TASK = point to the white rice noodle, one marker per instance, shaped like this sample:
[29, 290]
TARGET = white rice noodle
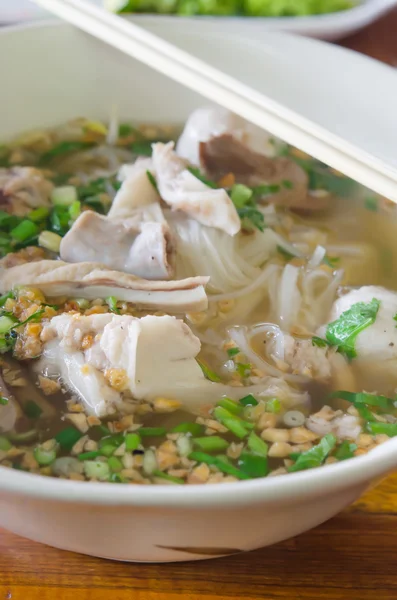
[275, 338]
[317, 257]
[259, 282]
[289, 298]
[208, 251]
[240, 337]
[301, 297]
[319, 290]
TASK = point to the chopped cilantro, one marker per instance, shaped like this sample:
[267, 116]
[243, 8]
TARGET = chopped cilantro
[371, 203]
[233, 351]
[343, 331]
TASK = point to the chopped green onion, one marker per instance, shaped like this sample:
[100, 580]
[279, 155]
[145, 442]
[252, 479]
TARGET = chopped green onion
[3, 401]
[192, 428]
[89, 455]
[365, 413]
[211, 443]
[152, 180]
[240, 194]
[317, 341]
[243, 369]
[44, 457]
[24, 231]
[5, 444]
[220, 464]
[257, 445]
[287, 184]
[6, 324]
[32, 410]
[316, 455]
[132, 441]
[75, 210]
[68, 437]
[115, 464]
[117, 478]
[126, 130]
[273, 405]
[331, 261]
[236, 425]
[64, 196]
[251, 218]
[39, 214]
[232, 352]
[343, 332]
[143, 148]
[253, 465]
[166, 477]
[59, 220]
[345, 450]
[364, 398]
[287, 255]
[107, 449]
[111, 301]
[63, 148]
[231, 406]
[371, 203]
[96, 469]
[248, 400]
[389, 429]
[196, 172]
[152, 431]
[266, 190]
[208, 373]
[36, 316]
[50, 241]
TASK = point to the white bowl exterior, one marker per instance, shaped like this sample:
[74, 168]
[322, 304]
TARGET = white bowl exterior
[166, 534]
[53, 74]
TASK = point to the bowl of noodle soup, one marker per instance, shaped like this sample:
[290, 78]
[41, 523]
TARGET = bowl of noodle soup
[197, 320]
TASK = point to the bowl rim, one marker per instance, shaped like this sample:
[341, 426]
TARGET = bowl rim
[316, 482]
[313, 482]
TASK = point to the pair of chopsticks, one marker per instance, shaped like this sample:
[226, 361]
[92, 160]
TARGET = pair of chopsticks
[228, 92]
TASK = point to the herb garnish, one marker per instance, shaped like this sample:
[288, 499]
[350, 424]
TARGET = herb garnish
[345, 329]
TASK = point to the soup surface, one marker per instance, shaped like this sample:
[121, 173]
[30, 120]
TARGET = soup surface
[214, 310]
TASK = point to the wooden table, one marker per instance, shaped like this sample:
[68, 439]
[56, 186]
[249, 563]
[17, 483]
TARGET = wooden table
[352, 557]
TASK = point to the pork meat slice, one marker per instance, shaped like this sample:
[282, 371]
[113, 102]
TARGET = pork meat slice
[224, 154]
[214, 121]
[181, 190]
[144, 249]
[154, 356]
[23, 189]
[136, 190]
[93, 280]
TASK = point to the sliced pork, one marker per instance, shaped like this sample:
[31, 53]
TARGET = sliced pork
[93, 280]
[224, 154]
[181, 190]
[144, 249]
[152, 357]
[136, 189]
[23, 189]
[214, 121]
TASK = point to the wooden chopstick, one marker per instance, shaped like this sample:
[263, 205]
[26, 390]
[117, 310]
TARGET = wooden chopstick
[226, 91]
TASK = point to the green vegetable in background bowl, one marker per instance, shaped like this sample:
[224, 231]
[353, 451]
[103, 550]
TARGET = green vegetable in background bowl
[250, 8]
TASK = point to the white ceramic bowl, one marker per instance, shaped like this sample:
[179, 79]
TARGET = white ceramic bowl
[53, 73]
[329, 26]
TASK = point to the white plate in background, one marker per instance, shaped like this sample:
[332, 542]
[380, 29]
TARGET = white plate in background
[330, 26]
